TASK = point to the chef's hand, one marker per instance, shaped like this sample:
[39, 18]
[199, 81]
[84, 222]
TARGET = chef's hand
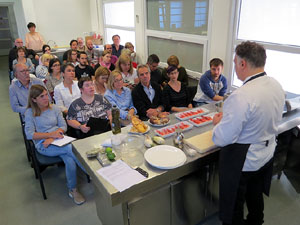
[217, 118]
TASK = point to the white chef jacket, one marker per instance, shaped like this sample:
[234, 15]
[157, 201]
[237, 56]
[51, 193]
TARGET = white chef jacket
[251, 115]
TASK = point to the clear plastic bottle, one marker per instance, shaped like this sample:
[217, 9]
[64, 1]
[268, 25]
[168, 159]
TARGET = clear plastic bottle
[116, 124]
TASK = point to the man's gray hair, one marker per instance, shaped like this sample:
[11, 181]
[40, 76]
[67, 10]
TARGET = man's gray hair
[142, 66]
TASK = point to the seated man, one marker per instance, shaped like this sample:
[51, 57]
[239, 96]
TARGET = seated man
[91, 113]
[73, 46]
[147, 96]
[83, 69]
[29, 53]
[156, 75]
[114, 58]
[80, 44]
[19, 88]
[92, 53]
[212, 85]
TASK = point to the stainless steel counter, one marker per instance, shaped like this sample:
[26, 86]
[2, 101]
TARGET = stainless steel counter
[162, 198]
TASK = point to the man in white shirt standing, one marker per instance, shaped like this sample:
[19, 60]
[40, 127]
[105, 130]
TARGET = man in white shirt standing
[246, 132]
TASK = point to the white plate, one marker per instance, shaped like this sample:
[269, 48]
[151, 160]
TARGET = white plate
[129, 127]
[177, 115]
[158, 125]
[165, 157]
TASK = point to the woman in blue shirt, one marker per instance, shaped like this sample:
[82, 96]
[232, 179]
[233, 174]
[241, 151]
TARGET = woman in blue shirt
[120, 96]
[43, 124]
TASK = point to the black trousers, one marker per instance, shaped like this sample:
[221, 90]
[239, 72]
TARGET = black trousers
[250, 190]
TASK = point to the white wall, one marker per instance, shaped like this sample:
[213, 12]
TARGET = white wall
[59, 20]
[221, 31]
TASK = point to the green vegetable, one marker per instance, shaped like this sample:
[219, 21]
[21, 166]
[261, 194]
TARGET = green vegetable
[111, 156]
[108, 150]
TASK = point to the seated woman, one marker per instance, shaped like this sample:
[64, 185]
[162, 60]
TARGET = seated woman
[182, 76]
[175, 93]
[129, 74]
[120, 96]
[46, 49]
[42, 70]
[43, 124]
[101, 78]
[73, 57]
[91, 113]
[129, 46]
[67, 91]
[105, 61]
[21, 58]
[54, 77]
[33, 39]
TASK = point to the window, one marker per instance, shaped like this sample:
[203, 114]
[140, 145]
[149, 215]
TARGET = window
[119, 19]
[178, 27]
[277, 31]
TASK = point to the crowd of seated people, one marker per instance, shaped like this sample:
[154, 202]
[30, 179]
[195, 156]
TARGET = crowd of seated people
[74, 91]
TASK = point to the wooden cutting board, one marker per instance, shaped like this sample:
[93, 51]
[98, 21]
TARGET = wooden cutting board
[202, 142]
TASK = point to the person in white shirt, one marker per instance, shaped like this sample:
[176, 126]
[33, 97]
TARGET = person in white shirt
[246, 132]
[67, 91]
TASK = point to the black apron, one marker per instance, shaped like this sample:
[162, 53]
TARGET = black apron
[231, 162]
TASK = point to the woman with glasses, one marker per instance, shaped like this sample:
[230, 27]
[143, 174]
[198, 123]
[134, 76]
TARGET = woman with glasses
[89, 114]
[73, 57]
[67, 91]
[175, 93]
[54, 77]
[101, 78]
[105, 61]
[43, 124]
[120, 96]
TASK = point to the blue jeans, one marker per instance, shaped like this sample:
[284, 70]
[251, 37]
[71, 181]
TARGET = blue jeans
[67, 155]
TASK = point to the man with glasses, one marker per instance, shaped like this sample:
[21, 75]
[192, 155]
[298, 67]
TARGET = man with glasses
[29, 53]
[114, 58]
[19, 88]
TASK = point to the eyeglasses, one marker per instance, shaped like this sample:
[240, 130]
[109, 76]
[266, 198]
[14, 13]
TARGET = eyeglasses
[24, 71]
[118, 80]
[55, 65]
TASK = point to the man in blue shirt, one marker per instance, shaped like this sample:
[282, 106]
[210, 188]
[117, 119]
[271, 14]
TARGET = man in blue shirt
[19, 88]
[212, 85]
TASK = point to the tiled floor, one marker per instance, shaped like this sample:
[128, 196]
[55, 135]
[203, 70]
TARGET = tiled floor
[21, 202]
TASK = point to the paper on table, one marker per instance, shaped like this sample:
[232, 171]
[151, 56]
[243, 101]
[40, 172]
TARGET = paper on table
[63, 141]
[120, 175]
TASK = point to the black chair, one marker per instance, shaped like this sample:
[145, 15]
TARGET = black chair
[27, 145]
[41, 162]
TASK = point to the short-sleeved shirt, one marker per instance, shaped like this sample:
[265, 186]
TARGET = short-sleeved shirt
[82, 112]
[173, 98]
[88, 71]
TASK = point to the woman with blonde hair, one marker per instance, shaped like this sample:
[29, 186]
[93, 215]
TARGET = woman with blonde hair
[120, 96]
[43, 124]
[129, 46]
[105, 61]
[101, 78]
[42, 70]
[129, 74]
[182, 75]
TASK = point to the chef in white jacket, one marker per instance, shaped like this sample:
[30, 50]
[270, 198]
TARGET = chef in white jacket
[246, 132]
